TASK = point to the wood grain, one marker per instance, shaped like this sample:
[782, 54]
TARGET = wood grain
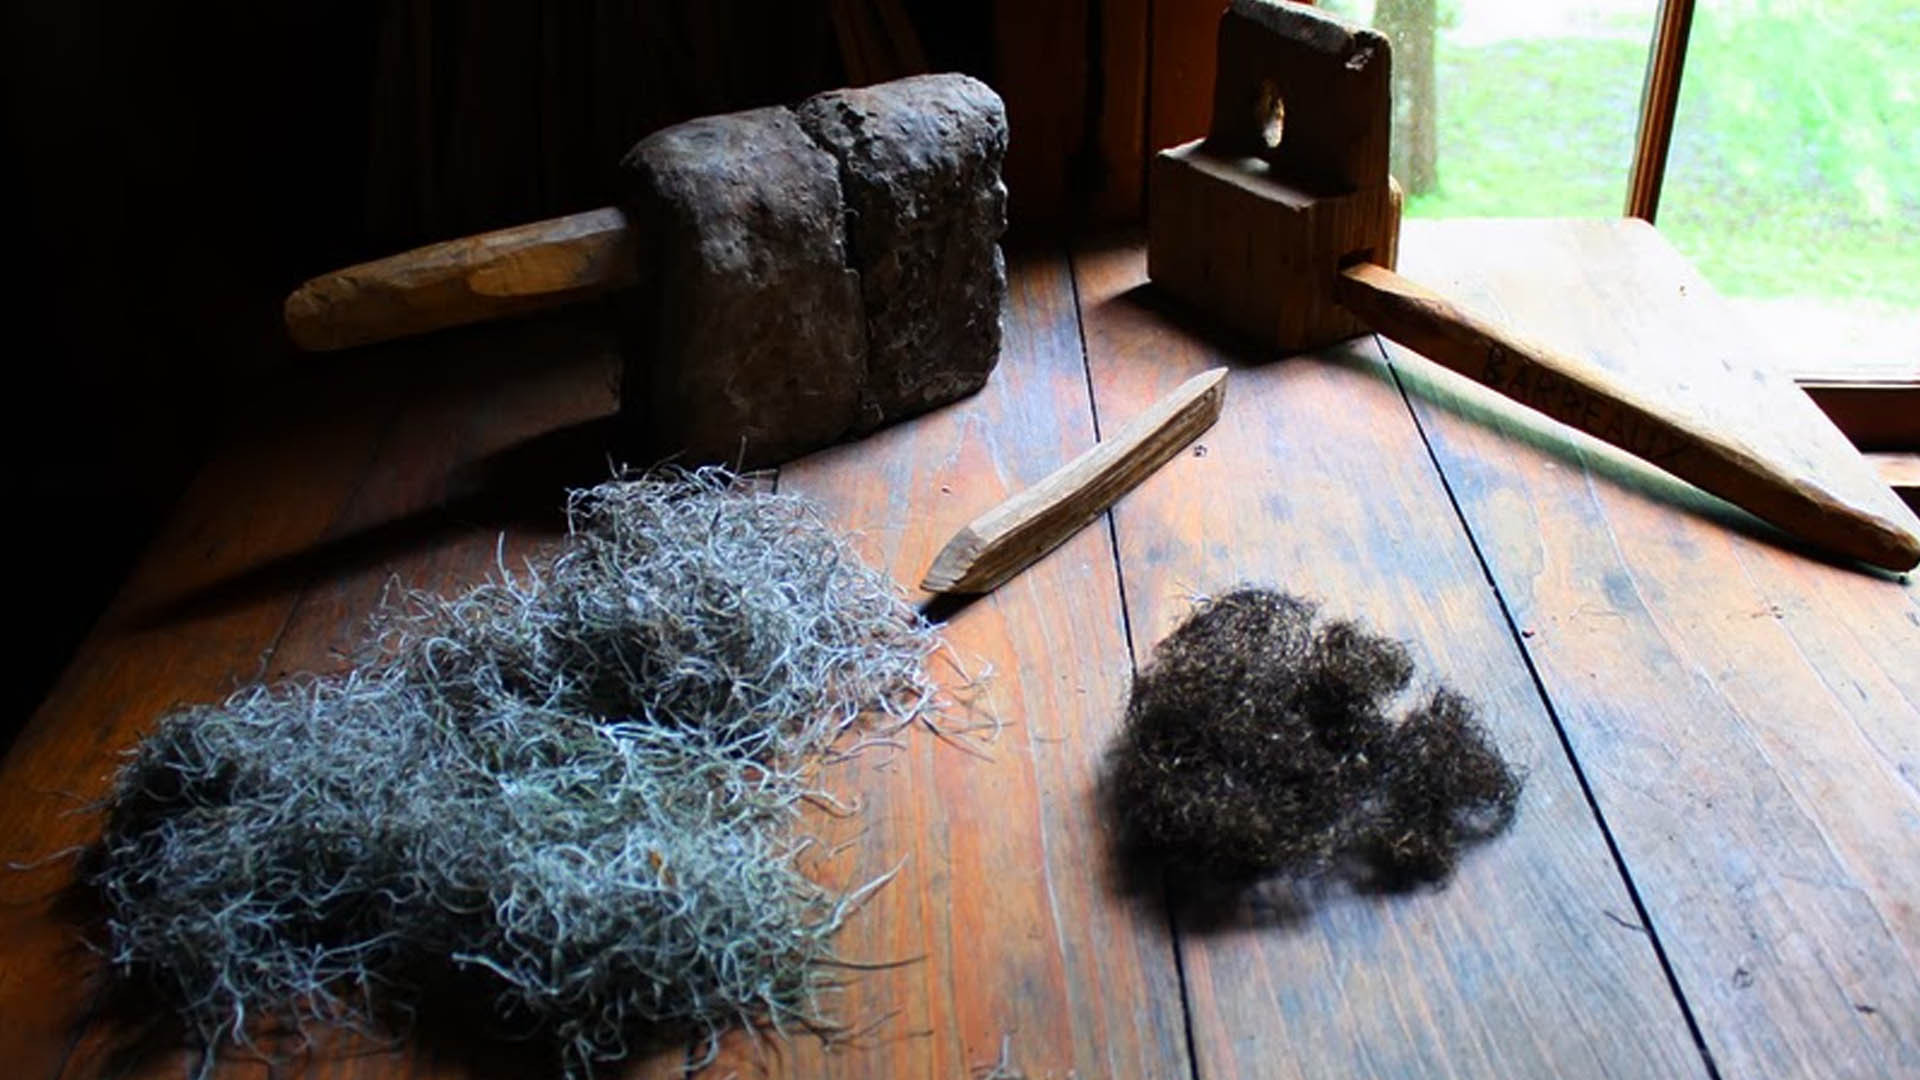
[1874, 414]
[1325, 79]
[1610, 407]
[280, 490]
[510, 271]
[1126, 44]
[482, 115]
[1003, 902]
[491, 402]
[1006, 539]
[1899, 470]
[1531, 962]
[1181, 99]
[485, 400]
[1040, 70]
[1250, 224]
[1232, 240]
[1659, 102]
[1744, 716]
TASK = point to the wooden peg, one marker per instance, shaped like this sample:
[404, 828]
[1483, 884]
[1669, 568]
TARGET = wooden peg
[1013, 535]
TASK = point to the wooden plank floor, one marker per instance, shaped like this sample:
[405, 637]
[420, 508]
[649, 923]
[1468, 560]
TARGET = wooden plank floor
[1716, 866]
[1745, 715]
[1517, 969]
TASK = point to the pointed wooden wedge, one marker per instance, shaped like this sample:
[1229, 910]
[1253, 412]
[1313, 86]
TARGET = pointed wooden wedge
[1013, 535]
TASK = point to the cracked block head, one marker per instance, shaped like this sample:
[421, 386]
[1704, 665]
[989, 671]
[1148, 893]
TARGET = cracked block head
[1252, 223]
[810, 273]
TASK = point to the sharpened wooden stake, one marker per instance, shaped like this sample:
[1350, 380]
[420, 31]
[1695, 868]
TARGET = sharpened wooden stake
[1013, 535]
[1587, 397]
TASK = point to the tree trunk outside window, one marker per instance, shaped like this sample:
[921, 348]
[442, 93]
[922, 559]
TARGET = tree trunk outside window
[1410, 26]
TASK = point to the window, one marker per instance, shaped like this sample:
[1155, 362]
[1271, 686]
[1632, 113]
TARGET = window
[1793, 179]
[1513, 108]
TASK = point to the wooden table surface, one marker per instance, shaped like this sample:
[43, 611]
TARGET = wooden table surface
[1715, 870]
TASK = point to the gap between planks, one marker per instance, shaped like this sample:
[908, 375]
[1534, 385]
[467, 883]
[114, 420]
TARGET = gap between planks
[1172, 923]
[1641, 913]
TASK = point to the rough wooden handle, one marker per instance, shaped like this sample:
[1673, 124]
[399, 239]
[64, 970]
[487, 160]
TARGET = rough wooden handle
[1587, 397]
[525, 268]
[1010, 537]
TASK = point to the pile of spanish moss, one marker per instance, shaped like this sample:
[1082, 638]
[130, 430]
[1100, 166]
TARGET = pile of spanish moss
[1259, 742]
[572, 788]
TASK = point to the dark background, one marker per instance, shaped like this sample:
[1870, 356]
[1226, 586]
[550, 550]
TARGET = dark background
[174, 170]
[177, 169]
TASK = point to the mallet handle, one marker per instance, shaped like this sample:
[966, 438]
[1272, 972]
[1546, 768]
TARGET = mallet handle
[525, 268]
[1584, 396]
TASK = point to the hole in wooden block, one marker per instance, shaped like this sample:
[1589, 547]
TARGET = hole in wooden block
[1269, 114]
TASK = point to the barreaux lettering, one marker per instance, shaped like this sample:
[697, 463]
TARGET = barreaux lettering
[1569, 401]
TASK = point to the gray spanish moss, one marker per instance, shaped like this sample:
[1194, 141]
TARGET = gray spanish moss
[573, 787]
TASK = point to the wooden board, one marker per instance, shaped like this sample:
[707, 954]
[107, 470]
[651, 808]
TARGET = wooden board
[1678, 434]
[1882, 414]
[1016, 932]
[1016, 533]
[1900, 471]
[436, 511]
[1180, 102]
[397, 504]
[1126, 49]
[1744, 715]
[1040, 71]
[278, 492]
[1314, 479]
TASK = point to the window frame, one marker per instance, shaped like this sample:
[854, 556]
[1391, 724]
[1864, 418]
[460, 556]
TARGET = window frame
[1659, 102]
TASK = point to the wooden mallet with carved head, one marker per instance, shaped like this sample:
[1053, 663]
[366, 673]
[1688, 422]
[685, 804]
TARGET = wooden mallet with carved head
[1284, 224]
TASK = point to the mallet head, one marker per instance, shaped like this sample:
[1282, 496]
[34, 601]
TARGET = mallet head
[1252, 223]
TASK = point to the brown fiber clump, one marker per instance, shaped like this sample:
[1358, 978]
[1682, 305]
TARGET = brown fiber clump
[1258, 742]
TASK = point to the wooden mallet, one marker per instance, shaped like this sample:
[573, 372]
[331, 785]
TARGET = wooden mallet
[782, 278]
[1283, 223]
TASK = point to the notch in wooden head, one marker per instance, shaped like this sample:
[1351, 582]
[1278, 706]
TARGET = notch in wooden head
[1253, 223]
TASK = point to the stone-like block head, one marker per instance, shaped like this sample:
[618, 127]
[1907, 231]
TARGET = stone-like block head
[814, 272]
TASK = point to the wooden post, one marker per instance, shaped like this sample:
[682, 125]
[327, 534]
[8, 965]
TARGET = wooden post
[1659, 100]
[1411, 26]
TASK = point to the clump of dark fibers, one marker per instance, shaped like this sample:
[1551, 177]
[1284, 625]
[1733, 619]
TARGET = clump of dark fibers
[1258, 742]
[571, 788]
